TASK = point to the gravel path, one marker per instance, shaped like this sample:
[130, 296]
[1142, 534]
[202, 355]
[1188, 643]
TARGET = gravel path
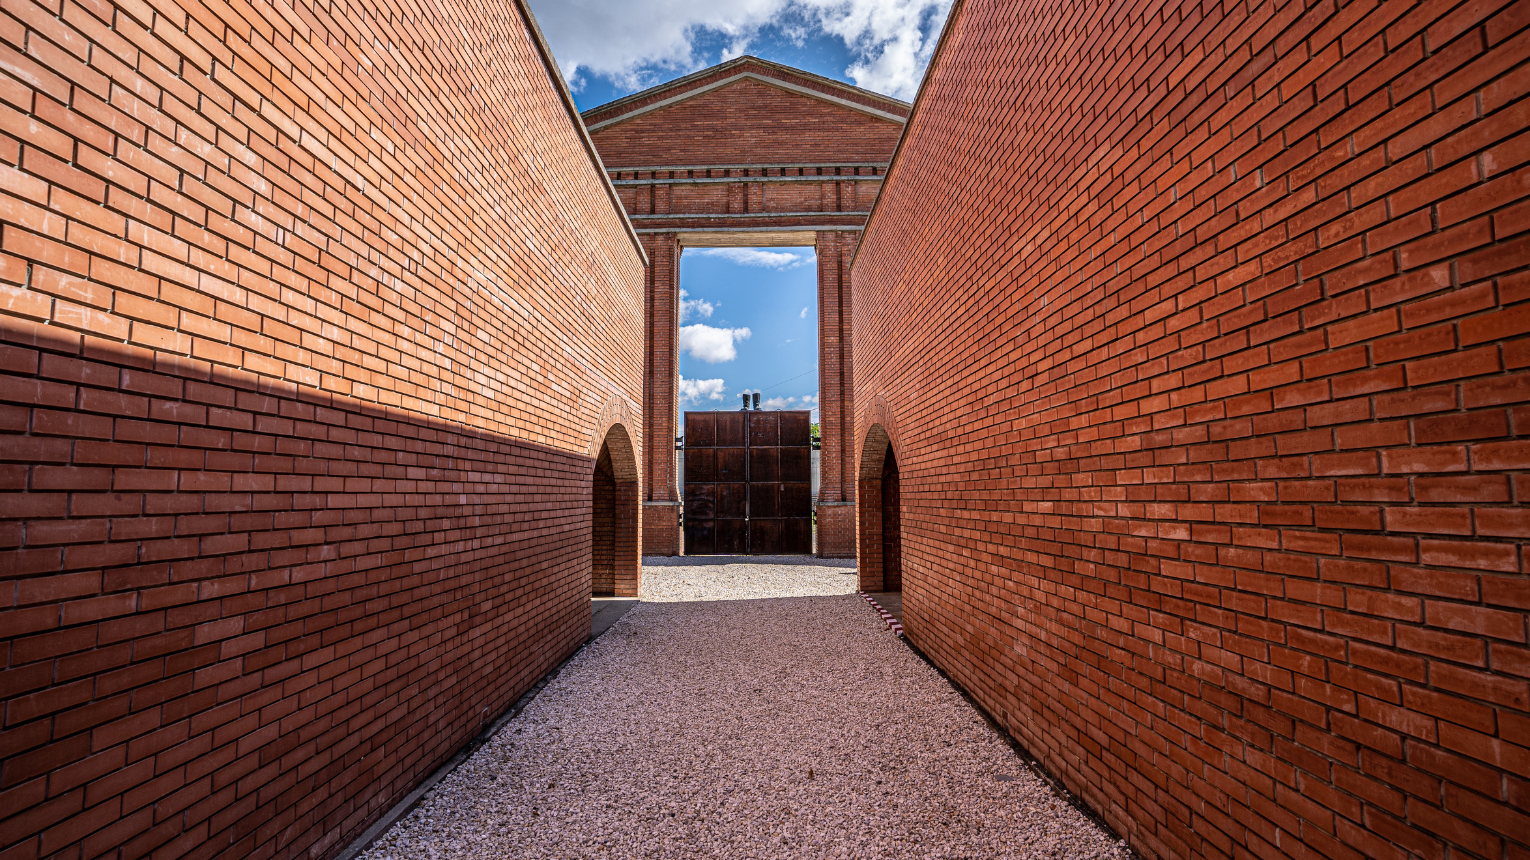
[745, 711]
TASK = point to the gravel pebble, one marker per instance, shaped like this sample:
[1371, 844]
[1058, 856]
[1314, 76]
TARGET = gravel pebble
[745, 711]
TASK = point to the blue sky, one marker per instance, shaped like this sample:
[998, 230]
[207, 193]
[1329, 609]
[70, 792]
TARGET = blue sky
[815, 52]
[749, 322]
[753, 316]
[611, 48]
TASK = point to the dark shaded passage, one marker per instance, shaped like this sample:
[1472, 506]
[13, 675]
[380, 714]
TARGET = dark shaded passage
[603, 527]
[892, 543]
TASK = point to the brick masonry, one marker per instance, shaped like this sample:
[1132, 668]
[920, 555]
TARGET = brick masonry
[746, 153]
[747, 111]
[313, 319]
[1200, 336]
[661, 381]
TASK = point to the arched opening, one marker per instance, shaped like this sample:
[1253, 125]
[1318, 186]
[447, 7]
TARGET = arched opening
[879, 533]
[615, 563]
[603, 527]
[892, 550]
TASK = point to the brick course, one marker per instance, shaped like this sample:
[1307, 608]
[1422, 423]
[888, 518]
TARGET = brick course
[1204, 331]
[312, 321]
[773, 114]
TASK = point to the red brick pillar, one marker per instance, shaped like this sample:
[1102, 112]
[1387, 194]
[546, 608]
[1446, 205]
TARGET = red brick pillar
[661, 511]
[836, 487]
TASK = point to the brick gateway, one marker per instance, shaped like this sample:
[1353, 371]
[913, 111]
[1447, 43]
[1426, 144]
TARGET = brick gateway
[748, 153]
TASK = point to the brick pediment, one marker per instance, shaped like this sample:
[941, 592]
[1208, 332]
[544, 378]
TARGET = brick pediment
[747, 111]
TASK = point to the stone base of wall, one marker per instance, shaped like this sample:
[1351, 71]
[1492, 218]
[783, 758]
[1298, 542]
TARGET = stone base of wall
[661, 528]
[836, 530]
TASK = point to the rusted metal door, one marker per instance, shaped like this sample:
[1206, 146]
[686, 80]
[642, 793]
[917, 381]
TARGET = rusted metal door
[748, 483]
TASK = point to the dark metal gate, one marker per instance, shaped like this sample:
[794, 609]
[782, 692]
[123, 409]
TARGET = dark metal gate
[748, 487]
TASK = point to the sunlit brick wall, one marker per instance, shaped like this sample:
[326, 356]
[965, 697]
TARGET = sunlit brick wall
[1202, 335]
[308, 317]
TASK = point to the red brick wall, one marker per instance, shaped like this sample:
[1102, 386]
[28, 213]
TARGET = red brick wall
[747, 122]
[308, 316]
[1204, 329]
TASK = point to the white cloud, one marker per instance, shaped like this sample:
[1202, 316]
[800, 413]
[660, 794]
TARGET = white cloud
[807, 401]
[637, 43]
[621, 39]
[891, 40]
[693, 390]
[695, 307]
[778, 260]
[803, 315]
[711, 345]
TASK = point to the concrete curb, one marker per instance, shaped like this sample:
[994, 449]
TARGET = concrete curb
[892, 623]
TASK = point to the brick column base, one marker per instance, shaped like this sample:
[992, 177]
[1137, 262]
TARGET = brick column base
[836, 530]
[661, 528]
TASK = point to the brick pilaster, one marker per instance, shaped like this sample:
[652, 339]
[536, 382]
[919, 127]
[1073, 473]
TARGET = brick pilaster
[661, 534]
[836, 491]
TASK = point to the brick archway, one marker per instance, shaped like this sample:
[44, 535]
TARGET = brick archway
[615, 517]
[879, 526]
[748, 154]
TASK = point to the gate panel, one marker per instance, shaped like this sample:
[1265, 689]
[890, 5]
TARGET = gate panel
[748, 483]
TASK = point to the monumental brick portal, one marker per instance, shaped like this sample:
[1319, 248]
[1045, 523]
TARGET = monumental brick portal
[315, 320]
[748, 153]
[1200, 335]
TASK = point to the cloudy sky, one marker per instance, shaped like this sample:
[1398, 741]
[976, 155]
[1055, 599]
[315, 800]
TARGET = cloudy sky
[611, 48]
[749, 322]
[750, 314]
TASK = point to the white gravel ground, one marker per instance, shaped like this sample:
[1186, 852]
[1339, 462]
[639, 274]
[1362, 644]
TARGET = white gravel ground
[745, 711]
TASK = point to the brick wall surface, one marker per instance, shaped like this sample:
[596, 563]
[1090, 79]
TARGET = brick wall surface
[308, 317]
[722, 74]
[1203, 327]
[747, 121]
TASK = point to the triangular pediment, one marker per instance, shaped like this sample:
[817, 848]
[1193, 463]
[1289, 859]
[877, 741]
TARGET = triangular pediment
[747, 111]
[733, 72]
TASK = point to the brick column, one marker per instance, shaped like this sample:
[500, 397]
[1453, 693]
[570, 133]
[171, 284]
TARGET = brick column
[661, 308]
[836, 487]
